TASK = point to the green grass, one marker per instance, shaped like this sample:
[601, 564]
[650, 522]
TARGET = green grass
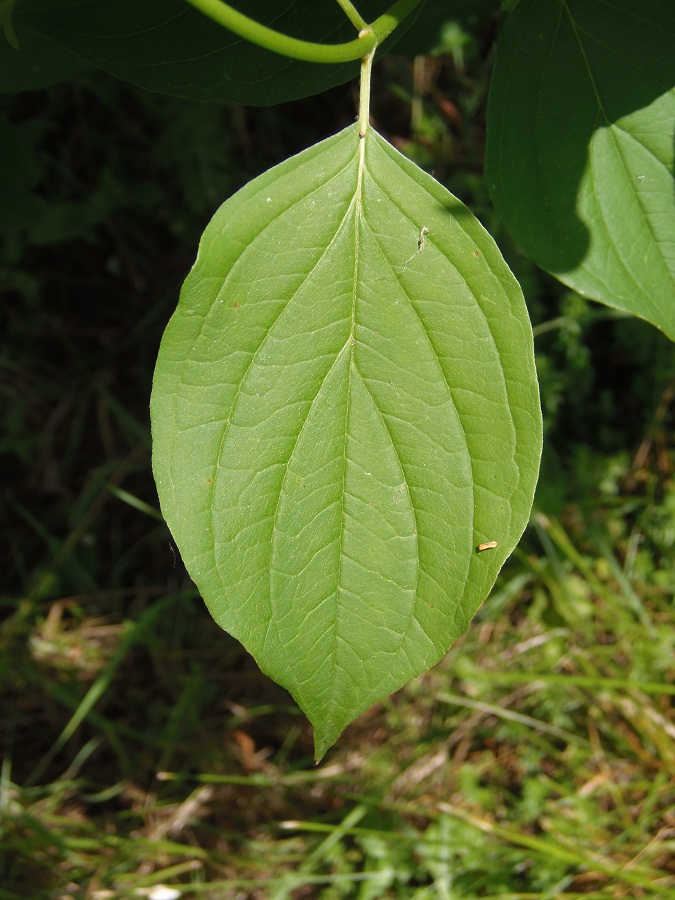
[535, 761]
[142, 747]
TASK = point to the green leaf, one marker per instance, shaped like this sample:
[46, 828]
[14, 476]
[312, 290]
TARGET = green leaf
[340, 418]
[170, 47]
[36, 64]
[581, 130]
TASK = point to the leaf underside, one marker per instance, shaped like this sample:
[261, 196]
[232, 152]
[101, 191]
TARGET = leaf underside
[340, 418]
[581, 147]
[172, 48]
[37, 64]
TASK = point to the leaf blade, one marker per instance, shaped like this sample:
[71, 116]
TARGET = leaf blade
[361, 463]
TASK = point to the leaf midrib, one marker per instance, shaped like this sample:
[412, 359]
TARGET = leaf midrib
[356, 208]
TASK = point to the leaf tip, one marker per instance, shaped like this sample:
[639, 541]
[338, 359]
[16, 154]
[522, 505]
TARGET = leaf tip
[325, 735]
[322, 744]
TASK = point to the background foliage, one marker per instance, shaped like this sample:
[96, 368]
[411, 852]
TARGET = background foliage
[141, 745]
[580, 160]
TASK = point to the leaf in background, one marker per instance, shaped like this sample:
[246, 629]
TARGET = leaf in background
[581, 124]
[339, 421]
[37, 64]
[170, 47]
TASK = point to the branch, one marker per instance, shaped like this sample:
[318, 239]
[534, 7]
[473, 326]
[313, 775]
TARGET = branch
[307, 51]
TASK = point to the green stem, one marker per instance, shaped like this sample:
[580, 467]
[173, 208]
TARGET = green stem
[307, 51]
[352, 14]
[364, 93]
[282, 43]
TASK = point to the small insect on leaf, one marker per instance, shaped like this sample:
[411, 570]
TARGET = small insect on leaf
[488, 545]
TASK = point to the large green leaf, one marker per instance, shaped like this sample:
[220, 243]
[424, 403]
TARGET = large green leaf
[36, 64]
[581, 130]
[340, 419]
[170, 47]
